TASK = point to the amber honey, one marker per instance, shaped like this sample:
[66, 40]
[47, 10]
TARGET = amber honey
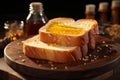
[35, 19]
[59, 28]
[32, 28]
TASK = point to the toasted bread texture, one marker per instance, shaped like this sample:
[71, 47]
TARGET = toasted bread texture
[62, 40]
[34, 48]
[93, 25]
[68, 32]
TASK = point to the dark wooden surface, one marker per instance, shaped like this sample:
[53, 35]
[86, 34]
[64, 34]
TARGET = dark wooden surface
[7, 73]
[101, 69]
[19, 10]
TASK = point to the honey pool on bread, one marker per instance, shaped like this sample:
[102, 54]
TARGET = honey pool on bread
[64, 29]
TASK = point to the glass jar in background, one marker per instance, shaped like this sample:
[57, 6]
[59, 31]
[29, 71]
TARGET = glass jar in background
[115, 12]
[35, 19]
[103, 13]
[90, 11]
[14, 28]
[103, 17]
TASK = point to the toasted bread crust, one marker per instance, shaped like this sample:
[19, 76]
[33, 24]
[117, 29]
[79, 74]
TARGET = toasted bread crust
[62, 56]
[65, 40]
[91, 22]
[93, 32]
[79, 43]
[69, 40]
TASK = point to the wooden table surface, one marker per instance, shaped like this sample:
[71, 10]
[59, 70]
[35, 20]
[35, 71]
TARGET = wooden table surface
[7, 73]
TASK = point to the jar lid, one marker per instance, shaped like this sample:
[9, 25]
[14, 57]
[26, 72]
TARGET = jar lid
[36, 6]
[115, 3]
[90, 8]
[103, 6]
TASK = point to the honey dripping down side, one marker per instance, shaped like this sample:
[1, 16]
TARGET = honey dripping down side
[35, 19]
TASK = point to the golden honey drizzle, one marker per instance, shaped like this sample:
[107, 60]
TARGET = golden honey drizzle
[60, 28]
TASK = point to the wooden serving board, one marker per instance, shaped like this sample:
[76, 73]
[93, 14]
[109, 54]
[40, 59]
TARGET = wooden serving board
[104, 58]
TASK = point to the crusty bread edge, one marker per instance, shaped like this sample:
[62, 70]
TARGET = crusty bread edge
[61, 39]
[50, 54]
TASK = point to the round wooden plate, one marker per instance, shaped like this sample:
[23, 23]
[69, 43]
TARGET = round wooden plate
[105, 57]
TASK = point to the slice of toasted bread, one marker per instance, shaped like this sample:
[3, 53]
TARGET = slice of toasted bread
[93, 25]
[62, 40]
[67, 31]
[35, 48]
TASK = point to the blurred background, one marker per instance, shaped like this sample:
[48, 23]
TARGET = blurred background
[19, 9]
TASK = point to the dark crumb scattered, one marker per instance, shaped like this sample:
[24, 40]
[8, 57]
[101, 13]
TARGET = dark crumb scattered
[23, 60]
[20, 56]
[66, 67]
[39, 65]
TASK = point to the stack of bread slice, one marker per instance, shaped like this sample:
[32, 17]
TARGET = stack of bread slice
[62, 40]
